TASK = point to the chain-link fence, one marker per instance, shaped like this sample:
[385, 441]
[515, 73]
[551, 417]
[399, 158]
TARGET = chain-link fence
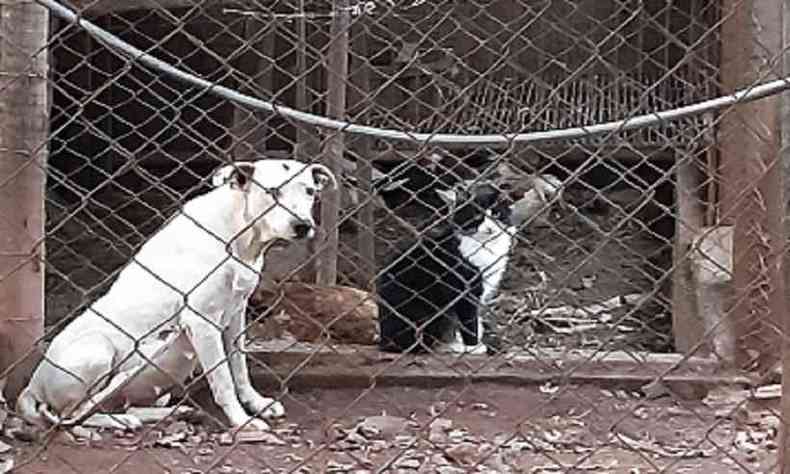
[518, 236]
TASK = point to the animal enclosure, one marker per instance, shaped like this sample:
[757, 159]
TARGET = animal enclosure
[643, 287]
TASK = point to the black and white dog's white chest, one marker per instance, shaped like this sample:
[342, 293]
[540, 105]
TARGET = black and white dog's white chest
[434, 289]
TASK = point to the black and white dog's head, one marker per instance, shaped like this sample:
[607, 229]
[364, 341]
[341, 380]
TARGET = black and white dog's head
[278, 195]
[470, 206]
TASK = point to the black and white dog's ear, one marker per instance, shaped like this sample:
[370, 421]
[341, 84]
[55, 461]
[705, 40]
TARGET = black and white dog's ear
[449, 196]
[239, 175]
[323, 176]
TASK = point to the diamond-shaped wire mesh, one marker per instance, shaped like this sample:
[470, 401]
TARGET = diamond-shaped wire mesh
[177, 297]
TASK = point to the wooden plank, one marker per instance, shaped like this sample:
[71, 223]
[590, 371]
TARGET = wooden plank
[303, 365]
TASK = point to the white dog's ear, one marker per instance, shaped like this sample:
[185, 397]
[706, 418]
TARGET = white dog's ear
[239, 175]
[323, 176]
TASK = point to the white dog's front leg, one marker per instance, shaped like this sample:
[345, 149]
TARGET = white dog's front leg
[207, 341]
[235, 343]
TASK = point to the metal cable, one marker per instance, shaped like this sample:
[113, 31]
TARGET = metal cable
[501, 139]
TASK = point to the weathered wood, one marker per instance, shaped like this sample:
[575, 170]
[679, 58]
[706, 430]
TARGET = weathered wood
[366, 234]
[24, 127]
[249, 130]
[751, 190]
[687, 324]
[711, 268]
[307, 143]
[337, 75]
[784, 407]
[311, 313]
[360, 366]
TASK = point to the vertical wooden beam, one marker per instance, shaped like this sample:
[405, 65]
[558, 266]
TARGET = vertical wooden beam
[249, 132]
[306, 143]
[24, 128]
[337, 75]
[687, 324]
[784, 434]
[751, 191]
[366, 236]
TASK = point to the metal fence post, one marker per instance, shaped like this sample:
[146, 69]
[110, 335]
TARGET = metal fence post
[24, 126]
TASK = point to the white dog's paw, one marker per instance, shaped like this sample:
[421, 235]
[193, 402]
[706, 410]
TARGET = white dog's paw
[478, 349]
[263, 407]
[253, 424]
[125, 422]
[77, 435]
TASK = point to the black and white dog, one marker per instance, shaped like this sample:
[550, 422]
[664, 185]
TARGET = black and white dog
[436, 285]
[453, 272]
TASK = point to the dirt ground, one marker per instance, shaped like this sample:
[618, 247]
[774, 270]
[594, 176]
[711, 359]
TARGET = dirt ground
[481, 428]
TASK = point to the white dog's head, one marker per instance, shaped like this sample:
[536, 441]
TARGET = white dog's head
[279, 195]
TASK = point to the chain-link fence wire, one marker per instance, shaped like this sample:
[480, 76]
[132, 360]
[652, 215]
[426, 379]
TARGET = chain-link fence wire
[658, 240]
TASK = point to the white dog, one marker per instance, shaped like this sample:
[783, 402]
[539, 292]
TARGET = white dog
[180, 302]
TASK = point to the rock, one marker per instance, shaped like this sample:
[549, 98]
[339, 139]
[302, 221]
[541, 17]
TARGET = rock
[450, 470]
[382, 427]
[175, 440]
[464, 454]
[248, 436]
[410, 463]
[309, 313]
[439, 429]
[441, 424]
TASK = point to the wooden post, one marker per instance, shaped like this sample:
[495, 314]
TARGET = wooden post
[687, 324]
[751, 192]
[784, 441]
[366, 237]
[24, 128]
[337, 75]
[249, 133]
[306, 143]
